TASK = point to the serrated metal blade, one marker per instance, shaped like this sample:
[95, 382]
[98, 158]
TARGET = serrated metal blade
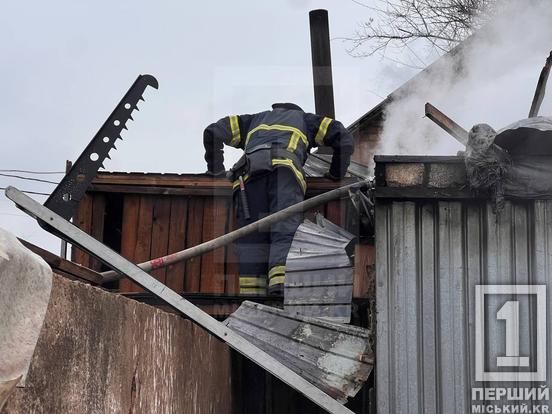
[66, 196]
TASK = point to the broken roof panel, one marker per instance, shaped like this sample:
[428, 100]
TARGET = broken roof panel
[319, 272]
[336, 358]
[319, 164]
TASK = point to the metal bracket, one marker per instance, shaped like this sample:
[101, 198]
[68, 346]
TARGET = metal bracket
[123, 266]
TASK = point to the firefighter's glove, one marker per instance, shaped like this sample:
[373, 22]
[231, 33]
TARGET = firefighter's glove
[218, 174]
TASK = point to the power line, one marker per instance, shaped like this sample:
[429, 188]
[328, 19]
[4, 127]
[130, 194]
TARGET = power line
[29, 178]
[28, 192]
[34, 172]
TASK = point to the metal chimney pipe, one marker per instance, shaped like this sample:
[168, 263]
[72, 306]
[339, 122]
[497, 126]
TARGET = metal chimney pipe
[321, 63]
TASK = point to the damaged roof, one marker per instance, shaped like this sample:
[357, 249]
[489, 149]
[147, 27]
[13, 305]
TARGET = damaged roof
[318, 164]
[336, 358]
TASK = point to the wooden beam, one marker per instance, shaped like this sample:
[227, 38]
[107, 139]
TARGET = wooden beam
[64, 267]
[164, 180]
[192, 185]
[541, 88]
[457, 132]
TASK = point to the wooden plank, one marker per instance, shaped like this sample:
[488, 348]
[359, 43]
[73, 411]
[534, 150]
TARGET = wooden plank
[188, 184]
[215, 218]
[541, 88]
[160, 233]
[455, 130]
[335, 212]
[129, 235]
[97, 229]
[194, 180]
[139, 244]
[155, 180]
[142, 250]
[365, 271]
[177, 241]
[64, 267]
[313, 189]
[83, 220]
[232, 272]
[175, 191]
[193, 238]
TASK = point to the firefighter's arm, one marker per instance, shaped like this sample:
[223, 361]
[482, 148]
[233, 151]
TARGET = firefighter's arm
[332, 133]
[341, 140]
[227, 130]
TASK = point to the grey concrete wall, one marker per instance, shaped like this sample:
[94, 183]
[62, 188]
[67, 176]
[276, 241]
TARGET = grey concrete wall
[101, 353]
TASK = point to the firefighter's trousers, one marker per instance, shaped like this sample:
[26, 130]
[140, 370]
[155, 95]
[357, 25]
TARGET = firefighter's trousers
[262, 255]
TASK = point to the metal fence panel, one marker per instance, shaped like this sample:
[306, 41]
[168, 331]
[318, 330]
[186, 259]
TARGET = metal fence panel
[429, 257]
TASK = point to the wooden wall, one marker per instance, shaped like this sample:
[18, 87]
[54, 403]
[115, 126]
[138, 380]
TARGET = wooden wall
[156, 214]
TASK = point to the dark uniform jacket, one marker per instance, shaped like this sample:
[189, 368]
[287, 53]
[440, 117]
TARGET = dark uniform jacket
[281, 137]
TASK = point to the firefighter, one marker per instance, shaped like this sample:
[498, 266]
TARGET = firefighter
[276, 144]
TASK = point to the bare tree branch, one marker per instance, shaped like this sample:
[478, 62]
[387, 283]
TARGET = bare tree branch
[439, 24]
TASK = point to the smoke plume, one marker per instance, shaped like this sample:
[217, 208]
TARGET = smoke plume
[491, 78]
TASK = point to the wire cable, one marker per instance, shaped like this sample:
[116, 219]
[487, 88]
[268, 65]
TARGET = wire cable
[33, 172]
[28, 192]
[29, 178]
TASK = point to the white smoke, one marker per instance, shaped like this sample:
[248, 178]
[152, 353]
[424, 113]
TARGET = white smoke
[493, 82]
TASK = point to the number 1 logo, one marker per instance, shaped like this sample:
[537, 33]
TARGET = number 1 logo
[509, 312]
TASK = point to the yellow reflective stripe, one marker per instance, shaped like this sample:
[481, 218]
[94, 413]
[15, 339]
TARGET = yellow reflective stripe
[236, 183]
[322, 129]
[250, 281]
[276, 280]
[253, 291]
[294, 141]
[276, 270]
[277, 127]
[235, 127]
[297, 173]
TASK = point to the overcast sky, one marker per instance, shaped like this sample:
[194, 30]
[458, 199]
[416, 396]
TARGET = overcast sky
[66, 64]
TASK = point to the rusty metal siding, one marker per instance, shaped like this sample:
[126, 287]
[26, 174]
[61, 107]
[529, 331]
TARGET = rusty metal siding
[429, 257]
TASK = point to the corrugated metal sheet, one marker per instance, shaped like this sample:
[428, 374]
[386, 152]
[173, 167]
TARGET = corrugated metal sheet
[430, 256]
[319, 164]
[336, 358]
[319, 272]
